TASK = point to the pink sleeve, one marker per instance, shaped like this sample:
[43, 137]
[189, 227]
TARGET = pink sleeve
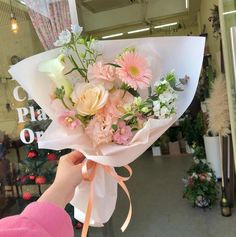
[39, 219]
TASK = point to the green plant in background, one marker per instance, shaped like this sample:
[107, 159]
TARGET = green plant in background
[193, 129]
[173, 134]
[201, 183]
[208, 75]
[157, 143]
[215, 21]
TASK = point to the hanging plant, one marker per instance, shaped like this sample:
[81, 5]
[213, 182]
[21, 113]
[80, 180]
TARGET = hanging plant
[215, 21]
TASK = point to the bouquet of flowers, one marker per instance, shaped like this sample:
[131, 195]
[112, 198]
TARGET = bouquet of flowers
[110, 100]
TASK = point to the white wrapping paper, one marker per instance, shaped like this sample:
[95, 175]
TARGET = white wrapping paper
[183, 54]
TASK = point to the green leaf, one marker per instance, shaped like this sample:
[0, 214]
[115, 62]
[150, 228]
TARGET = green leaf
[113, 64]
[73, 69]
[126, 116]
[114, 127]
[133, 92]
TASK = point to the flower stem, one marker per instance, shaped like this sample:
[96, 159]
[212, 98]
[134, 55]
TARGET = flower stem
[63, 102]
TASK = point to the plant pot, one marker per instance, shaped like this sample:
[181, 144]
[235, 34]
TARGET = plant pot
[189, 149]
[174, 148]
[213, 153]
[202, 202]
[182, 145]
[203, 107]
[156, 151]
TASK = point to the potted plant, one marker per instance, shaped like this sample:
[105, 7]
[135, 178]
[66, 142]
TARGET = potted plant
[200, 183]
[156, 148]
[213, 152]
[173, 134]
[164, 143]
[192, 130]
[219, 124]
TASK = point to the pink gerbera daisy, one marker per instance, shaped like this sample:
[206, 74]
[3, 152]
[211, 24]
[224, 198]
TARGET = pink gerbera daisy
[134, 70]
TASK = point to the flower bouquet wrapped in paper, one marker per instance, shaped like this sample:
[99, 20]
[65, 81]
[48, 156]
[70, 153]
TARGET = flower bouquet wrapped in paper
[110, 100]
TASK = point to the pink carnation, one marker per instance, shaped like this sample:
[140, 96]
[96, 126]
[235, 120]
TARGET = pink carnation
[101, 73]
[134, 70]
[67, 119]
[99, 129]
[123, 134]
[116, 101]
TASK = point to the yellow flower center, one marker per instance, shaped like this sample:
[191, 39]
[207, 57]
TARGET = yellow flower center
[134, 71]
[69, 119]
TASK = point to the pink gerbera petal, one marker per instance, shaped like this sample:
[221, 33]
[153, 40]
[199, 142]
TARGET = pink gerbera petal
[134, 70]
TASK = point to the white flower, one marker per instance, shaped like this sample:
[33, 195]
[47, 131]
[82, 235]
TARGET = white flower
[64, 38]
[158, 83]
[196, 161]
[76, 29]
[66, 51]
[166, 97]
[209, 174]
[164, 112]
[156, 105]
[97, 46]
[204, 161]
[208, 178]
[54, 68]
[194, 175]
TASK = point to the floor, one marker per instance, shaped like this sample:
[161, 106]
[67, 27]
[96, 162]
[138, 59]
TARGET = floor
[158, 208]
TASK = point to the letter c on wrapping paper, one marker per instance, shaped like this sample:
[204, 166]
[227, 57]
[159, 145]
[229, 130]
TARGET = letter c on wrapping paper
[88, 173]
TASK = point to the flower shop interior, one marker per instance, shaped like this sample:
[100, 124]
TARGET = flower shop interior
[184, 184]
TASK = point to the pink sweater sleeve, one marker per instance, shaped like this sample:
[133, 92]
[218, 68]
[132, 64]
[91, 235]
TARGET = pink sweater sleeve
[39, 219]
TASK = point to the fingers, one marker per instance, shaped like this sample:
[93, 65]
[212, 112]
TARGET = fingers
[75, 157]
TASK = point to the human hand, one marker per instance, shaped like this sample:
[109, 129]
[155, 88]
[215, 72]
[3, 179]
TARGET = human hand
[68, 176]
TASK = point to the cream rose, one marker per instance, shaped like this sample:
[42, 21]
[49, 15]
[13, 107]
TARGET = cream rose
[89, 98]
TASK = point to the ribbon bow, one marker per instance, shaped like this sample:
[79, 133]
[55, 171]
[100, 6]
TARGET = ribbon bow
[88, 173]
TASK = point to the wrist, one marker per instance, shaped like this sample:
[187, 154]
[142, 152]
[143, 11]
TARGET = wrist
[58, 195]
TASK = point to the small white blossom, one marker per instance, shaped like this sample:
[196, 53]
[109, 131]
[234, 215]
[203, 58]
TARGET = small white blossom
[156, 105]
[164, 112]
[204, 161]
[208, 178]
[64, 38]
[66, 51]
[194, 175]
[196, 161]
[76, 29]
[158, 83]
[97, 46]
[166, 97]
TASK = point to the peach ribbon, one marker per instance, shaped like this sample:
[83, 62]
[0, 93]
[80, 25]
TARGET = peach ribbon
[88, 172]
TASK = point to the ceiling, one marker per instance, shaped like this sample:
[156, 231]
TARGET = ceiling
[107, 15]
[96, 6]
[98, 16]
